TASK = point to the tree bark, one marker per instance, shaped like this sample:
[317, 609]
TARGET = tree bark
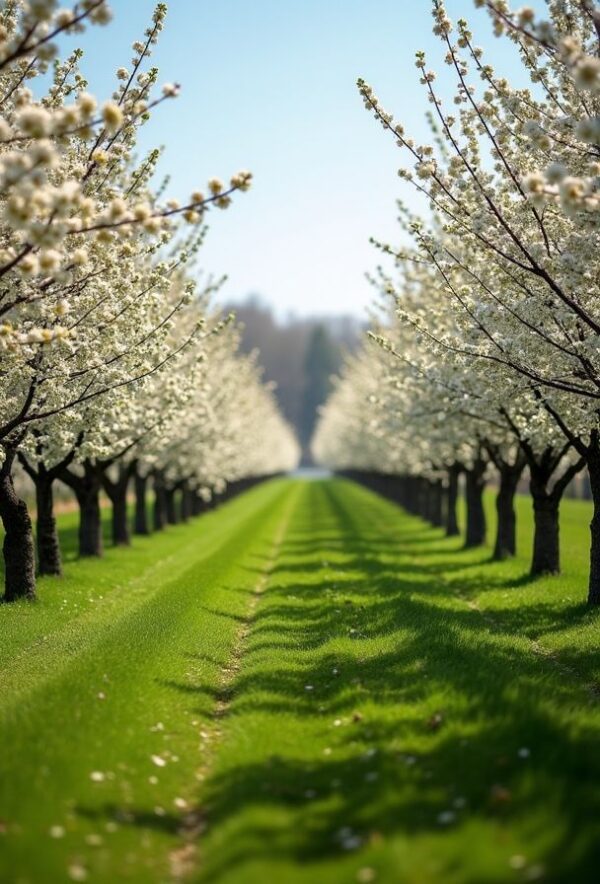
[140, 521]
[186, 503]
[48, 545]
[90, 522]
[159, 512]
[452, 529]
[436, 507]
[420, 497]
[593, 463]
[196, 504]
[120, 526]
[48, 541]
[476, 522]
[171, 509]
[546, 505]
[117, 492]
[18, 548]
[87, 492]
[546, 545]
[505, 546]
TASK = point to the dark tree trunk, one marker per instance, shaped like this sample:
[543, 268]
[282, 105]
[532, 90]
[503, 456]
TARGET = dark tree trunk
[120, 526]
[18, 548]
[186, 504]
[546, 546]
[48, 542]
[172, 518]
[506, 532]
[159, 513]
[476, 523]
[546, 504]
[140, 521]
[421, 497]
[87, 491]
[436, 508]
[117, 492]
[48, 545]
[593, 462]
[452, 529]
[197, 504]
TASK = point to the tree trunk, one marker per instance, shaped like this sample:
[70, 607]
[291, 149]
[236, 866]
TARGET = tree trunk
[421, 498]
[87, 491]
[186, 504]
[546, 548]
[593, 462]
[140, 522]
[18, 548]
[506, 532]
[170, 506]
[476, 524]
[159, 514]
[452, 529]
[48, 545]
[436, 508]
[120, 526]
[117, 491]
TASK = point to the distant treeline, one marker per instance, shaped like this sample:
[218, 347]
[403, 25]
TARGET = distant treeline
[298, 354]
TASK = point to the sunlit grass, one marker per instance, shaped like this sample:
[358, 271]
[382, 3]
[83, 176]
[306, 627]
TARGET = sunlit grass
[395, 709]
[383, 728]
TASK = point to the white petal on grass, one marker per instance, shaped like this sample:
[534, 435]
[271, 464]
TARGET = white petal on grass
[94, 840]
[518, 861]
[158, 761]
[97, 776]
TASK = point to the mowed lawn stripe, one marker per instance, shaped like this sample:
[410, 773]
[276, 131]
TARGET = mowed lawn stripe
[93, 591]
[381, 730]
[100, 755]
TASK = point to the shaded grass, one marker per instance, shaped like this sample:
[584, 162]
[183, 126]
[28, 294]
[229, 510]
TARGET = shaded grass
[391, 708]
[383, 729]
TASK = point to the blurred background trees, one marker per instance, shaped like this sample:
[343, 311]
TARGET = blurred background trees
[299, 355]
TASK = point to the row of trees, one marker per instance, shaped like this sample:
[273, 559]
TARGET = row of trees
[114, 367]
[489, 357]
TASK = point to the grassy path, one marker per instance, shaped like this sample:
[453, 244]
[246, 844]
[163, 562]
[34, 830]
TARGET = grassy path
[101, 736]
[306, 686]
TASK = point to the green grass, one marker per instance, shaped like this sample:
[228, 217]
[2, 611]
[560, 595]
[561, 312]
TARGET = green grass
[349, 695]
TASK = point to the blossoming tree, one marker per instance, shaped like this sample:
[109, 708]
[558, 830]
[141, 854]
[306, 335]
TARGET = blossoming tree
[100, 328]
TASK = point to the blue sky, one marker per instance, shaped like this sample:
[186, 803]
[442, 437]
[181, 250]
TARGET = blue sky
[269, 85]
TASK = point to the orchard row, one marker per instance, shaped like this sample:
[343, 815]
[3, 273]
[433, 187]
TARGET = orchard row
[486, 360]
[114, 366]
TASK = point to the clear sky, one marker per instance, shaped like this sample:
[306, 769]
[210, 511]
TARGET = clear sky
[269, 85]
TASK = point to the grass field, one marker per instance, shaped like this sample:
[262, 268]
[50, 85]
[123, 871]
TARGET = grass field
[305, 685]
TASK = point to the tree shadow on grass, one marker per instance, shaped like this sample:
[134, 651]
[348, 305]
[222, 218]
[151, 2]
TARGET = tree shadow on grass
[438, 724]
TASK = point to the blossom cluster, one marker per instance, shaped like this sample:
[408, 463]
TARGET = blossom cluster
[108, 345]
[489, 346]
